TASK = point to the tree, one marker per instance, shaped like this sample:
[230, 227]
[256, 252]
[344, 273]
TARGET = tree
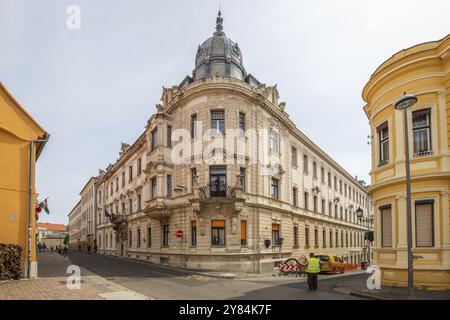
[66, 239]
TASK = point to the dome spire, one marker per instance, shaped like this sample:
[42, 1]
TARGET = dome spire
[219, 21]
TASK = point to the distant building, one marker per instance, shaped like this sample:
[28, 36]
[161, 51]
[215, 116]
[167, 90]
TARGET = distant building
[422, 70]
[88, 216]
[17, 132]
[75, 227]
[51, 234]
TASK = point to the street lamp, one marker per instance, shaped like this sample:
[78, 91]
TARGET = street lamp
[404, 103]
[367, 221]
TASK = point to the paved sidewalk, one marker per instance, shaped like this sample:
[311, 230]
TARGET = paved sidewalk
[392, 293]
[51, 284]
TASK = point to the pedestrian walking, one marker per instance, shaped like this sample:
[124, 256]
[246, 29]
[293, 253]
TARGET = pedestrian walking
[312, 270]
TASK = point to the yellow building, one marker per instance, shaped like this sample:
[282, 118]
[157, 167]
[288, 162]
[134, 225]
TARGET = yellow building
[422, 70]
[17, 131]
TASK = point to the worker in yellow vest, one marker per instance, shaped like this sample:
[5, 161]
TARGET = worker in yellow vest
[312, 270]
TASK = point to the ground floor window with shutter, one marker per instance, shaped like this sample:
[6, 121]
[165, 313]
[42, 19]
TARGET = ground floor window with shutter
[193, 233]
[275, 234]
[218, 232]
[386, 226]
[295, 235]
[243, 232]
[424, 223]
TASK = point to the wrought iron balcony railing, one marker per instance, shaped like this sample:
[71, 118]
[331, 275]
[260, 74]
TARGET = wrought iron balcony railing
[217, 189]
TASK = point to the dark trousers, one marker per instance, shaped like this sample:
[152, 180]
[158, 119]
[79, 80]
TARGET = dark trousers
[312, 281]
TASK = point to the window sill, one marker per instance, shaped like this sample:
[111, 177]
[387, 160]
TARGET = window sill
[382, 163]
[423, 153]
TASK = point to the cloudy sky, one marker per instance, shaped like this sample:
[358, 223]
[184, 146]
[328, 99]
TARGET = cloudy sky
[95, 87]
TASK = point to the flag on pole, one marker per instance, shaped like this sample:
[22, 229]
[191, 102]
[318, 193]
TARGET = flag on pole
[42, 205]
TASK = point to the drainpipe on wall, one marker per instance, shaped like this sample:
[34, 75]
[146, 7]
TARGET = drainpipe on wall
[30, 201]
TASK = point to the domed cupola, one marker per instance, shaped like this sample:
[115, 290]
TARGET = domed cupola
[219, 54]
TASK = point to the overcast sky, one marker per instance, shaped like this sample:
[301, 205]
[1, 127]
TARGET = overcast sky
[95, 87]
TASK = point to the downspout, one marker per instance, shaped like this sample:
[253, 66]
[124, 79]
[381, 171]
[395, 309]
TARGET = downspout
[30, 201]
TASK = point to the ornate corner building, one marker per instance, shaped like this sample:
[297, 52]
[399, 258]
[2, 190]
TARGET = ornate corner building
[172, 198]
[422, 70]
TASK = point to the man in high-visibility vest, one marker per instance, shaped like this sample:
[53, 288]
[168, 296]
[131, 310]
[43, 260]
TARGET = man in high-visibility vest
[312, 270]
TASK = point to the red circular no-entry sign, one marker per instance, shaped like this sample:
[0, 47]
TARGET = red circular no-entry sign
[179, 233]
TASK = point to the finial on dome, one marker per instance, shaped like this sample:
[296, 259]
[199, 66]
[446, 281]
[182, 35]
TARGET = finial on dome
[219, 21]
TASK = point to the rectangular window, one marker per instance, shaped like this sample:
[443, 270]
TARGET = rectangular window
[294, 196]
[193, 176]
[330, 208]
[316, 237]
[331, 239]
[324, 238]
[337, 239]
[165, 235]
[149, 236]
[169, 136]
[274, 141]
[323, 206]
[139, 167]
[295, 236]
[340, 186]
[218, 121]
[154, 139]
[421, 132]
[275, 234]
[315, 204]
[241, 124]
[243, 179]
[424, 224]
[130, 239]
[217, 232]
[138, 237]
[306, 236]
[314, 170]
[111, 188]
[329, 179]
[243, 232]
[335, 184]
[322, 175]
[169, 186]
[305, 200]
[383, 138]
[153, 189]
[194, 125]
[130, 205]
[386, 226]
[294, 156]
[305, 163]
[193, 233]
[342, 239]
[274, 188]
[117, 184]
[123, 179]
[139, 202]
[130, 174]
[345, 189]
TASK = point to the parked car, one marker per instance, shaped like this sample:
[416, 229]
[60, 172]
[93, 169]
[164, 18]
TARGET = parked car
[331, 264]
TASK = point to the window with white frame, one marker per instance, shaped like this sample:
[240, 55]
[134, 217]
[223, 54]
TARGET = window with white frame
[421, 125]
[383, 138]
[274, 141]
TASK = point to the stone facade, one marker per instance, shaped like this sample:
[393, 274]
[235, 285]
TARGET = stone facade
[193, 191]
